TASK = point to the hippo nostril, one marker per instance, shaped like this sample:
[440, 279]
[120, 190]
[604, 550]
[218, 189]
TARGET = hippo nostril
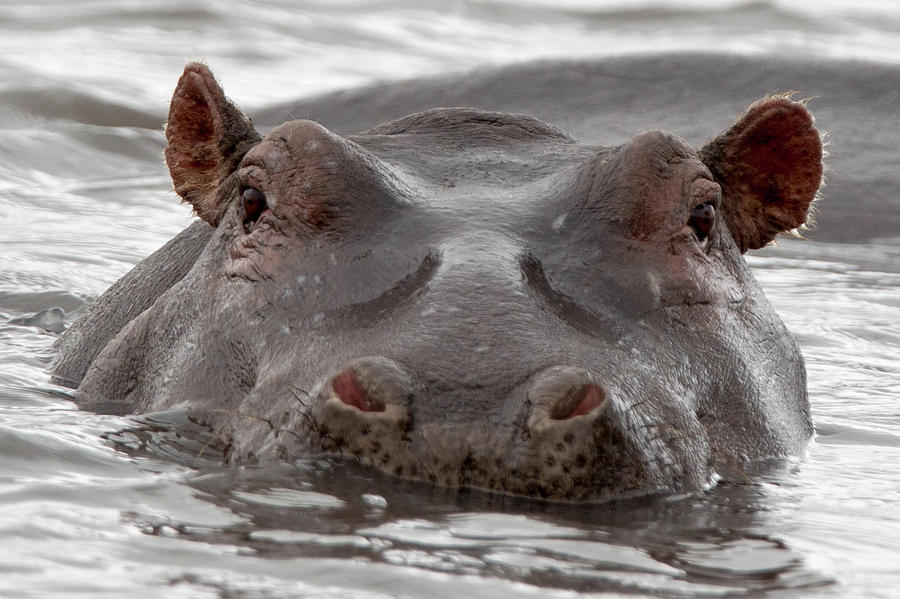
[578, 402]
[564, 392]
[350, 391]
[369, 384]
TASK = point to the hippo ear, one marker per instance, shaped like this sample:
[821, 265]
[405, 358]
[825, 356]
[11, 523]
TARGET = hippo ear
[769, 165]
[208, 135]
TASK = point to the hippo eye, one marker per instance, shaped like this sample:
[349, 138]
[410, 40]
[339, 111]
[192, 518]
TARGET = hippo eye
[703, 219]
[254, 202]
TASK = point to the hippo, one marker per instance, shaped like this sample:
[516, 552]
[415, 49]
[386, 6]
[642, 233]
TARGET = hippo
[468, 298]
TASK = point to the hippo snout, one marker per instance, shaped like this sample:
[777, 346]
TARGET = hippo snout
[572, 437]
[363, 410]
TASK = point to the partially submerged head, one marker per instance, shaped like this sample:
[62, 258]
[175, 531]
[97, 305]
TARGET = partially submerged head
[473, 298]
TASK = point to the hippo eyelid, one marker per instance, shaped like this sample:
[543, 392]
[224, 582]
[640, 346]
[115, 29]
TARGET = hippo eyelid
[704, 216]
[252, 175]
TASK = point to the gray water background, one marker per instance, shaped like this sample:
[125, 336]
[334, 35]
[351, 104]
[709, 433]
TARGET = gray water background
[99, 506]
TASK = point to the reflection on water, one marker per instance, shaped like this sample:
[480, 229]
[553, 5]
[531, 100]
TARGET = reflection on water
[379, 535]
[99, 505]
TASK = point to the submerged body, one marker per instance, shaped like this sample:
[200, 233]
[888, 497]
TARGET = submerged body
[467, 298]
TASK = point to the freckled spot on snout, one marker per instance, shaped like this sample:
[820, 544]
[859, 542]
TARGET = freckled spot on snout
[364, 405]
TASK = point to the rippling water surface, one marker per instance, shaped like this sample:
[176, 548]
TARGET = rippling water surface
[98, 506]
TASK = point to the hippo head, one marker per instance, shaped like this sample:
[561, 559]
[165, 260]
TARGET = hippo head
[475, 299]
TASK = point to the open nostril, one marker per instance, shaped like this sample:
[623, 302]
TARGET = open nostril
[564, 392]
[350, 391]
[370, 384]
[579, 402]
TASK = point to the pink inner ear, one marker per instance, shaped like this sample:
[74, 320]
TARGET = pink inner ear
[770, 167]
[192, 153]
[208, 136]
[784, 153]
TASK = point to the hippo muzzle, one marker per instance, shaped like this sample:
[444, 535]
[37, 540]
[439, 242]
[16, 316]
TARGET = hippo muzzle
[568, 438]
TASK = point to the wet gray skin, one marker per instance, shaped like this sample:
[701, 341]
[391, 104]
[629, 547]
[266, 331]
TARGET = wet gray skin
[467, 298]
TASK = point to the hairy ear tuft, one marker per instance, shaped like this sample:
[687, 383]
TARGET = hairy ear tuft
[769, 164]
[208, 135]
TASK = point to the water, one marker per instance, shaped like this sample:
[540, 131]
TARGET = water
[96, 506]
